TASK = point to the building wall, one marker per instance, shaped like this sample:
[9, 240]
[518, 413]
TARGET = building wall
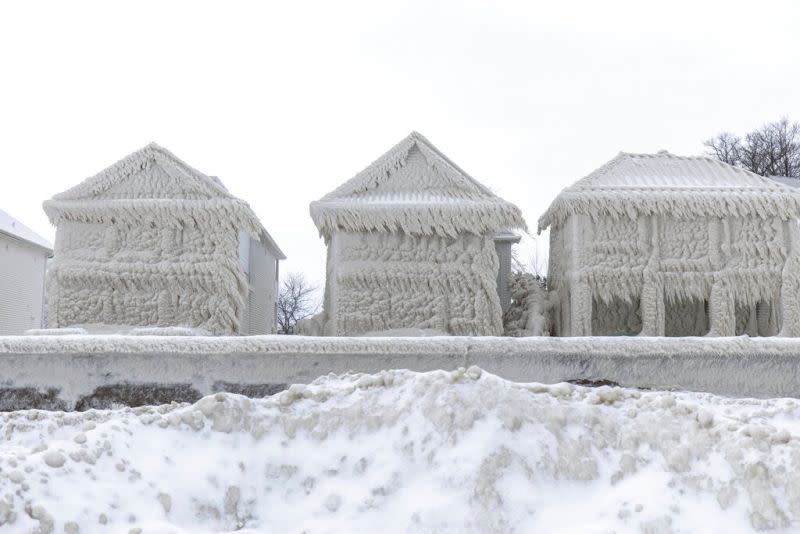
[262, 277]
[390, 281]
[168, 275]
[686, 277]
[503, 251]
[22, 268]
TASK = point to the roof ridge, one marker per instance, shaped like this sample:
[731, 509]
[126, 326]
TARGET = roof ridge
[132, 163]
[686, 187]
[124, 167]
[718, 162]
[460, 193]
[381, 169]
[609, 165]
[455, 166]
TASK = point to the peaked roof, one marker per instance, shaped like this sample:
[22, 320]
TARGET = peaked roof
[145, 159]
[11, 226]
[786, 180]
[414, 188]
[681, 186]
[128, 190]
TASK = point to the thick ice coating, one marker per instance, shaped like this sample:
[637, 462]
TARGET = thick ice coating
[461, 451]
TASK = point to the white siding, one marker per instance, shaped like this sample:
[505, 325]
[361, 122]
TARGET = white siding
[21, 286]
[260, 312]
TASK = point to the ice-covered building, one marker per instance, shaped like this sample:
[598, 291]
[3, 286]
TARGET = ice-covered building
[23, 261]
[657, 244]
[415, 243]
[151, 241]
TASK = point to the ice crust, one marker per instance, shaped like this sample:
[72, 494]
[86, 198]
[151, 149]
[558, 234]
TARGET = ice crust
[461, 451]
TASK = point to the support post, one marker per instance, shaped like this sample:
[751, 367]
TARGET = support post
[580, 297]
[722, 313]
[790, 283]
[652, 307]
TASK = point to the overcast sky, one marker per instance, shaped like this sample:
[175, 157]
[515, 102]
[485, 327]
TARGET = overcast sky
[285, 101]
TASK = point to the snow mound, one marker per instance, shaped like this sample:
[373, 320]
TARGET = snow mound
[406, 332]
[116, 329]
[461, 451]
[56, 332]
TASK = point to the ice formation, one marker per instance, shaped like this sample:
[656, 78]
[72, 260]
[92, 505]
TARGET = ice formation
[657, 244]
[150, 241]
[529, 313]
[461, 451]
[410, 245]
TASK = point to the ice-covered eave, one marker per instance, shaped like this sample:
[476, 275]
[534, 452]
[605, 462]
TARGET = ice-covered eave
[680, 203]
[445, 219]
[162, 212]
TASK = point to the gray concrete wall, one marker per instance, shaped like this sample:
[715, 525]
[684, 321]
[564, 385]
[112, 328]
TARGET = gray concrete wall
[80, 372]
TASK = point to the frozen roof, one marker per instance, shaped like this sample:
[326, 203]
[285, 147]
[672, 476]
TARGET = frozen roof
[154, 184]
[786, 180]
[416, 189]
[10, 226]
[680, 186]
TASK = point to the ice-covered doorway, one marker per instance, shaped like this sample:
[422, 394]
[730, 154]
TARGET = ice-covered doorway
[616, 317]
[686, 317]
[756, 320]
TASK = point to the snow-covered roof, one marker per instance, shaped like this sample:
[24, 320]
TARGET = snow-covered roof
[10, 226]
[681, 186]
[418, 190]
[154, 184]
[786, 180]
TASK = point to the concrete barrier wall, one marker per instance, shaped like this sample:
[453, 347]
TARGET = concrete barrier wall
[81, 372]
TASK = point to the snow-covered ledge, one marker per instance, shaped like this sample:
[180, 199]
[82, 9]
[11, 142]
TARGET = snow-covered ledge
[80, 371]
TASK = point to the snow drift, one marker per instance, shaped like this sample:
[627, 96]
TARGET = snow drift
[461, 451]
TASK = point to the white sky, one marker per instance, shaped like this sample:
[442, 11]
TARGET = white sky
[285, 101]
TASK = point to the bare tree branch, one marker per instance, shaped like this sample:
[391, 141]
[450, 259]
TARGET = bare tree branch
[725, 147]
[296, 300]
[772, 150]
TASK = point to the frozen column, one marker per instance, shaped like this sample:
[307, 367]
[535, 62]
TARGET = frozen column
[652, 306]
[722, 316]
[790, 284]
[580, 297]
[652, 298]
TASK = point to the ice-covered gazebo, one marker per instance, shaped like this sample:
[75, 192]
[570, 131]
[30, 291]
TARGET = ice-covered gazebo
[415, 243]
[658, 244]
[152, 242]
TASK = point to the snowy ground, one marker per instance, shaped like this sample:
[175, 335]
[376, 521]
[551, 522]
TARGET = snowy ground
[409, 452]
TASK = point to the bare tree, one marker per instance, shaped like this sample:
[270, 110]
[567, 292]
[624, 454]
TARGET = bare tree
[536, 264]
[772, 150]
[726, 147]
[296, 300]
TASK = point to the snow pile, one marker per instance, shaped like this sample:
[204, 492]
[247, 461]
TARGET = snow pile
[407, 332]
[460, 451]
[115, 329]
[528, 314]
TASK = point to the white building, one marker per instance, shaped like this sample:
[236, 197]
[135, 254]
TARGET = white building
[657, 244]
[415, 243]
[23, 261]
[151, 241]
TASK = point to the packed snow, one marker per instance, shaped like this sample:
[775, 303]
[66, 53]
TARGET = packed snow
[398, 451]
